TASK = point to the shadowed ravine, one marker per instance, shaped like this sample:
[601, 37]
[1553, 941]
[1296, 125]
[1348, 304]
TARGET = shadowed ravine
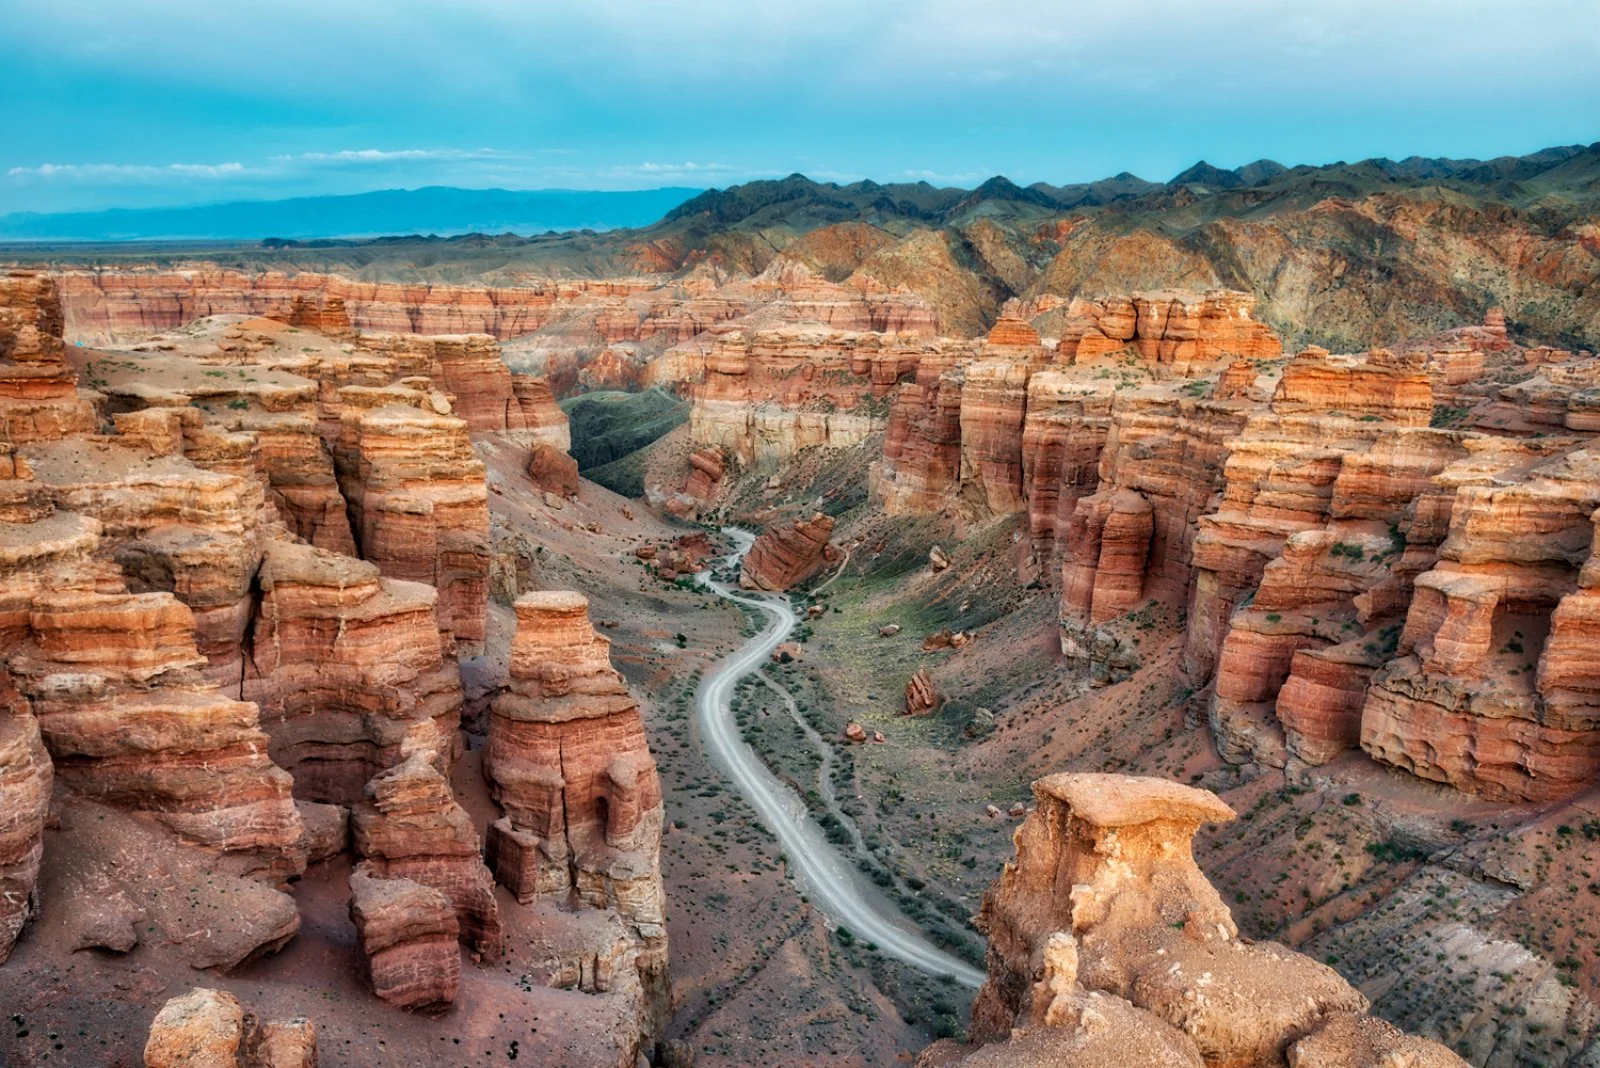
[827, 876]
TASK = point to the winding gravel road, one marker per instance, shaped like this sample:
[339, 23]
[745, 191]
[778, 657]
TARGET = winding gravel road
[832, 881]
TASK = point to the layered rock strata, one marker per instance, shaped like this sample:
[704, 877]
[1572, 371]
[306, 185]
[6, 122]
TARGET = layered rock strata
[115, 681]
[568, 762]
[25, 780]
[418, 500]
[785, 556]
[1105, 938]
[410, 827]
[409, 933]
[39, 398]
[767, 396]
[1182, 329]
[349, 669]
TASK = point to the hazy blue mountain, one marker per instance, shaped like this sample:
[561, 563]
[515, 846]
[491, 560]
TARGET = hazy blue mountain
[439, 210]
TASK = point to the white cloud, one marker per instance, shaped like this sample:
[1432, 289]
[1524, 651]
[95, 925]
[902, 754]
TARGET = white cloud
[127, 171]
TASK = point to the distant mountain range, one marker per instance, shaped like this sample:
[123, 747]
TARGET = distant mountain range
[438, 210]
[1345, 255]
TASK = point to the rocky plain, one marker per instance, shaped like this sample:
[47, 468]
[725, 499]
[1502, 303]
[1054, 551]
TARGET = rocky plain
[1195, 646]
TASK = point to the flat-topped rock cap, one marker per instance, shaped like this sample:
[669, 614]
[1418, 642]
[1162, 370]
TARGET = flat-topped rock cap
[554, 601]
[1129, 800]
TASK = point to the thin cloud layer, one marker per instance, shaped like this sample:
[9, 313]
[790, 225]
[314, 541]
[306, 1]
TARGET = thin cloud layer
[311, 97]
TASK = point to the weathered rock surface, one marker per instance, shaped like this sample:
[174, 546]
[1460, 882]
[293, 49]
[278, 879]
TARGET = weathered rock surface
[568, 762]
[25, 779]
[411, 828]
[348, 669]
[39, 398]
[785, 556]
[409, 933]
[210, 1029]
[418, 499]
[921, 698]
[1105, 936]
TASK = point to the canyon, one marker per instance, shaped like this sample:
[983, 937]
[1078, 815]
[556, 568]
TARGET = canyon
[997, 555]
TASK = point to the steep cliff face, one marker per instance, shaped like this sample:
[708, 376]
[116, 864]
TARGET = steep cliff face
[417, 498]
[920, 472]
[788, 554]
[1105, 938]
[568, 762]
[39, 399]
[766, 396]
[25, 780]
[105, 307]
[349, 670]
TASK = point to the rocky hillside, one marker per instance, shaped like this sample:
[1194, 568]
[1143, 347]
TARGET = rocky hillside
[1345, 255]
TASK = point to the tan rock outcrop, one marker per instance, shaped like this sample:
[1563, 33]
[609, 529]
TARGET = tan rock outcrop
[39, 398]
[25, 780]
[770, 394]
[785, 556]
[1105, 936]
[210, 1029]
[1350, 1041]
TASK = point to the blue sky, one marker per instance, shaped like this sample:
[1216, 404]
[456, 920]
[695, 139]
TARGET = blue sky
[154, 102]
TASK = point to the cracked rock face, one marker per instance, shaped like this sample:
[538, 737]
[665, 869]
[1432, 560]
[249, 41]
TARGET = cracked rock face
[568, 762]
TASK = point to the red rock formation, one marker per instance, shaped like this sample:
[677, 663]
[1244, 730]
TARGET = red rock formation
[171, 526]
[553, 471]
[1104, 936]
[993, 408]
[1062, 438]
[768, 395]
[210, 1029]
[1465, 701]
[25, 779]
[920, 473]
[568, 761]
[418, 499]
[785, 556]
[105, 306]
[39, 399]
[1183, 329]
[707, 470]
[485, 393]
[921, 698]
[1108, 539]
[409, 934]
[114, 680]
[348, 670]
[411, 828]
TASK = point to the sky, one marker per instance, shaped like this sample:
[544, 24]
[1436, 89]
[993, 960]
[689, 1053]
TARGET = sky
[138, 103]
